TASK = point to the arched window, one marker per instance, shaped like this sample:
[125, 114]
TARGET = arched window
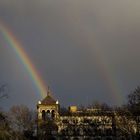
[43, 115]
[48, 111]
[48, 114]
[53, 114]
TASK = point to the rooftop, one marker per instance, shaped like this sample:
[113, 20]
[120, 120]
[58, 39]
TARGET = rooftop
[48, 100]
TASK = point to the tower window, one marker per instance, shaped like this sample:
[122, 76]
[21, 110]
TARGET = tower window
[48, 114]
[43, 115]
[53, 113]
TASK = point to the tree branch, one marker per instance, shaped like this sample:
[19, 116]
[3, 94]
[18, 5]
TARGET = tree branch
[3, 91]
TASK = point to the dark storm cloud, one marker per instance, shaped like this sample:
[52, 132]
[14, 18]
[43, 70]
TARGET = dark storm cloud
[65, 40]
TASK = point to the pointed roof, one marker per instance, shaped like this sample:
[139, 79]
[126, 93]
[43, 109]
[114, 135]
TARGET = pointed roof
[48, 100]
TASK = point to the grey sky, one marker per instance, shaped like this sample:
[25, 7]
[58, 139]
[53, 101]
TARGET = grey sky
[86, 50]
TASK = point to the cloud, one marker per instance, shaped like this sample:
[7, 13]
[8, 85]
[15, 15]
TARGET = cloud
[69, 40]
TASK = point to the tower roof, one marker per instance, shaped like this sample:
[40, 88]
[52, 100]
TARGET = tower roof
[48, 100]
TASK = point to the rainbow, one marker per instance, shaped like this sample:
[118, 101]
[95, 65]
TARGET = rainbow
[109, 77]
[107, 72]
[26, 61]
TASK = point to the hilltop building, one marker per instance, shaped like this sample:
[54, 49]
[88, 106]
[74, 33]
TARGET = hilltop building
[48, 108]
[77, 124]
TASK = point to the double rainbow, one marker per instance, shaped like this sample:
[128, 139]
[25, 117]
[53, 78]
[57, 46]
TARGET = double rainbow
[35, 77]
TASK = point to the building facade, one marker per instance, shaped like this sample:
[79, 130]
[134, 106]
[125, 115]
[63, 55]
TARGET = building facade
[79, 124]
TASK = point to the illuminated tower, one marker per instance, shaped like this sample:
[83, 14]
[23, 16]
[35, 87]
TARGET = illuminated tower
[47, 113]
[48, 108]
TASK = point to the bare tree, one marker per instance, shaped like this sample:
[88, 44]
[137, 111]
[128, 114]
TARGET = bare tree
[22, 119]
[5, 130]
[3, 91]
[134, 101]
[134, 107]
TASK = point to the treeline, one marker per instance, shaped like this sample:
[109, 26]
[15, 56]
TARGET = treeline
[131, 107]
[18, 124]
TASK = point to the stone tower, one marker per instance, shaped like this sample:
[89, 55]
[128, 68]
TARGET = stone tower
[48, 108]
[47, 114]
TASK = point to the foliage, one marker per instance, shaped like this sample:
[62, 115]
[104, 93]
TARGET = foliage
[22, 118]
[5, 130]
[100, 106]
[64, 111]
[134, 101]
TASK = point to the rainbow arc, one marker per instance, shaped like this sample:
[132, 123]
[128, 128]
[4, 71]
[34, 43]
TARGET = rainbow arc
[13, 43]
[107, 73]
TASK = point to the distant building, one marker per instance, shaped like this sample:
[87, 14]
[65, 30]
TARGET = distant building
[89, 124]
[73, 109]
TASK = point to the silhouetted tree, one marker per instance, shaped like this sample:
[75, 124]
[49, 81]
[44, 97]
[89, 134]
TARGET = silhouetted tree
[5, 130]
[95, 104]
[48, 130]
[133, 105]
[134, 101]
[22, 120]
[3, 91]
[64, 111]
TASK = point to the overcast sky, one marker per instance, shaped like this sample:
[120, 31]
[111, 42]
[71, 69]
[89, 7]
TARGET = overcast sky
[85, 50]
